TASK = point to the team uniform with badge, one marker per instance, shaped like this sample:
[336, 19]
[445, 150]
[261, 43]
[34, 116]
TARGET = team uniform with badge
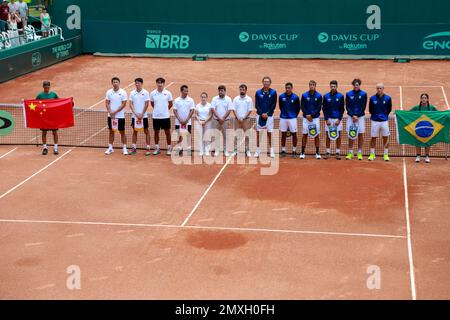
[161, 114]
[139, 99]
[311, 104]
[265, 102]
[379, 108]
[116, 98]
[333, 110]
[183, 107]
[355, 102]
[289, 110]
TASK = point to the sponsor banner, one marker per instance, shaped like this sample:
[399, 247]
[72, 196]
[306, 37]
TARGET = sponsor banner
[265, 39]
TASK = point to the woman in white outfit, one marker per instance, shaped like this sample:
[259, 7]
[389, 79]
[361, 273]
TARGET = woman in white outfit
[203, 116]
[13, 30]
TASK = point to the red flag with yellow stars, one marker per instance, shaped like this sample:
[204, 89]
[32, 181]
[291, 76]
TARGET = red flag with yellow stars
[48, 114]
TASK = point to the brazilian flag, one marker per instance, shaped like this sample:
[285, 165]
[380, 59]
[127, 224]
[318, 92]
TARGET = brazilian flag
[422, 129]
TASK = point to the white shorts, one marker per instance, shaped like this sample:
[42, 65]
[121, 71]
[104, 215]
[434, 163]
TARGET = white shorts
[377, 127]
[361, 124]
[333, 121]
[288, 124]
[269, 124]
[306, 123]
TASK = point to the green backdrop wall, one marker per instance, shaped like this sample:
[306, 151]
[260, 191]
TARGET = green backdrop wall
[292, 27]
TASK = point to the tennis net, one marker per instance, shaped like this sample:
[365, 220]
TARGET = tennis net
[90, 130]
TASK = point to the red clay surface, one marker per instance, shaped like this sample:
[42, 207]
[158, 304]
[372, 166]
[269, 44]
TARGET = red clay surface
[308, 232]
[87, 77]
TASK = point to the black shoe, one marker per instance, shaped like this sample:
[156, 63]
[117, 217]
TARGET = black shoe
[55, 152]
[327, 155]
[283, 154]
[338, 156]
[44, 151]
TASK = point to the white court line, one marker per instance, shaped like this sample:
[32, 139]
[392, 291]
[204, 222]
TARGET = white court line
[48, 165]
[144, 225]
[210, 186]
[10, 151]
[408, 235]
[35, 174]
[445, 97]
[401, 97]
[206, 191]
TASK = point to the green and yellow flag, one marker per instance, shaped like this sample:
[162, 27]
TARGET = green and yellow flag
[422, 129]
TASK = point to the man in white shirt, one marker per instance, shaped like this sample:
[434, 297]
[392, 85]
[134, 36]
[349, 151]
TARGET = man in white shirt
[116, 100]
[221, 106]
[242, 108]
[139, 101]
[161, 100]
[13, 6]
[183, 108]
[22, 7]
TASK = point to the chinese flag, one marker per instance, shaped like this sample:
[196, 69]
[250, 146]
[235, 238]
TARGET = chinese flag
[48, 114]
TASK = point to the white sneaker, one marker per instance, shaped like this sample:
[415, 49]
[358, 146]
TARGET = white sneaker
[302, 156]
[318, 156]
[427, 159]
[207, 153]
[418, 159]
[226, 154]
[109, 151]
[216, 153]
[200, 153]
[272, 153]
[256, 154]
[248, 153]
[125, 151]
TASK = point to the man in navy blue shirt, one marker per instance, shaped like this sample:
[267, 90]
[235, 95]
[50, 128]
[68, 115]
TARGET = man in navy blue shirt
[265, 103]
[289, 104]
[311, 104]
[356, 102]
[333, 111]
[380, 105]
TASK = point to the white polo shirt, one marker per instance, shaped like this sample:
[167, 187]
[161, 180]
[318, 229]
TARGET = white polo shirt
[161, 100]
[22, 8]
[139, 99]
[222, 105]
[115, 99]
[203, 111]
[242, 106]
[183, 107]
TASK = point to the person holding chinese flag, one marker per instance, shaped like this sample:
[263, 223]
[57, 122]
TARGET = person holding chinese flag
[45, 95]
[48, 112]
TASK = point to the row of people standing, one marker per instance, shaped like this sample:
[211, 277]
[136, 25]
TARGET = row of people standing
[217, 114]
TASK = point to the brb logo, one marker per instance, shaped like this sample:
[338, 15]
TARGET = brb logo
[437, 41]
[156, 40]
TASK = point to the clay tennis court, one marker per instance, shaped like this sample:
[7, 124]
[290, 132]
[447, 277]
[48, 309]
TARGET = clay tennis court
[144, 228]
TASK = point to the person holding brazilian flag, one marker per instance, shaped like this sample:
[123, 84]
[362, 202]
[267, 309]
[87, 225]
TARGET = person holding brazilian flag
[423, 126]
